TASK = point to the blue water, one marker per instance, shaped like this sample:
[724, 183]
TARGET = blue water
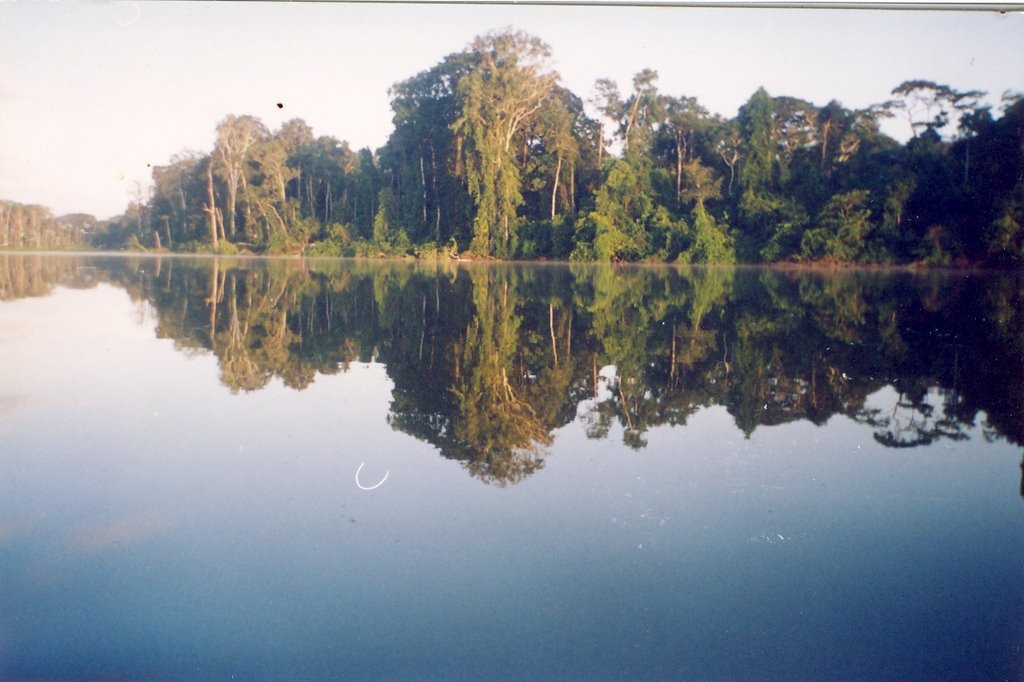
[155, 525]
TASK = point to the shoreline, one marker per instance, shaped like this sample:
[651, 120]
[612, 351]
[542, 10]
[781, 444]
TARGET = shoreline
[784, 266]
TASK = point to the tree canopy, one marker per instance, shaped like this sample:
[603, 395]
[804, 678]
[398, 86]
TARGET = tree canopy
[492, 157]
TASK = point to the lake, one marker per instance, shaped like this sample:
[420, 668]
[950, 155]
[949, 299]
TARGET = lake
[283, 468]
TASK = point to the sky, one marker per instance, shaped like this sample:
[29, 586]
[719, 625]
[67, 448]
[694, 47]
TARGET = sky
[93, 92]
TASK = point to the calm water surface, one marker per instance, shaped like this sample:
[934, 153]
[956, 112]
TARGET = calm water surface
[217, 467]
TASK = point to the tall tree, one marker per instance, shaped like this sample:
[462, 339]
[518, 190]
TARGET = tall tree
[684, 119]
[505, 89]
[177, 192]
[420, 158]
[609, 105]
[757, 174]
[640, 111]
[235, 137]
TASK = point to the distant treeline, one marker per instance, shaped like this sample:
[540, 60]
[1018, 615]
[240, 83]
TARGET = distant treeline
[490, 155]
[30, 226]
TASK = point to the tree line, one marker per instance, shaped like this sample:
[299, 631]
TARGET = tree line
[492, 156]
[31, 226]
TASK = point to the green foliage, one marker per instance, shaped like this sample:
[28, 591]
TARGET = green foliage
[546, 239]
[755, 122]
[583, 239]
[711, 242]
[490, 151]
[488, 362]
[669, 236]
[937, 247]
[501, 428]
[841, 229]
[227, 248]
[132, 243]
[611, 242]
[1005, 236]
[506, 87]
[337, 243]
[766, 220]
[383, 232]
[784, 242]
[772, 225]
[623, 211]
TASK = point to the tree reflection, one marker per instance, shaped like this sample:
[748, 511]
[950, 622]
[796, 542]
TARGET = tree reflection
[489, 361]
[494, 420]
[23, 276]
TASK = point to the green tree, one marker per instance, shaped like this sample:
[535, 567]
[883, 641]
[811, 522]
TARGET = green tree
[640, 113]
[176, 202]
[841, 229]
[623, 207]
[502, 429]
[758, 202]
[236, 135]
[500, 96]
[684, 120]
[420, 159]
[711, 242]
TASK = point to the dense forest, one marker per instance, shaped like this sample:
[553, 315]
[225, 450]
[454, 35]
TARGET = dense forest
[35, 227]
[492, 157]
[489, 361]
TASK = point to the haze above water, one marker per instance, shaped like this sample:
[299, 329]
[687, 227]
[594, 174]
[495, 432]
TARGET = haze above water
[283, 468]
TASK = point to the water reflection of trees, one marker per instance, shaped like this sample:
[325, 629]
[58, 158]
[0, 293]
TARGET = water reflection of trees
[489, 360]
[23, 276]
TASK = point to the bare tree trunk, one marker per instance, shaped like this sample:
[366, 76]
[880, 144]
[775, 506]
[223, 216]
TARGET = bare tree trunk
[280, 222]
[327, 204]
[38, 231]
[309, 195]
[212, 300]
[179, 211]
[423, 328]
[572, 190]
[232, 200]
[629, 122]
[248, 208]
[554, 188]
[672, 364]
[211, 206]
[825, 129]
[423, 184]
[373, 212]
[5, 229]
[551, 330]
[17, 228]
[731, 163]
[220, 225]
[568, 337]
[139, 201]
[680, 150]
[433, 188]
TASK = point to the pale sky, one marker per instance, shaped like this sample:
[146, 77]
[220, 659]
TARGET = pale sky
[92, 92]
